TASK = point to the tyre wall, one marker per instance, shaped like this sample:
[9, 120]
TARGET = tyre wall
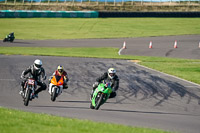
[148, 14]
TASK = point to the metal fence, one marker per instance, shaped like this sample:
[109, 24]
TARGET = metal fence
[100, 2]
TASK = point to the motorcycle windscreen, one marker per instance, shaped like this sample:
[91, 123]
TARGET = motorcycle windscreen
[59, 80]
[55, 80]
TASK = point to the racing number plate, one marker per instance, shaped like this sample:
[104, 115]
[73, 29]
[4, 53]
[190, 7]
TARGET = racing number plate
[30, 81]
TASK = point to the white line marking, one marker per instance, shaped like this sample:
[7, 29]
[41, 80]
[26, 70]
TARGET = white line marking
[169, 75]
[191, 86]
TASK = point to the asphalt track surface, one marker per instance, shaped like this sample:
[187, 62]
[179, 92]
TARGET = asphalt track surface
[146, 98]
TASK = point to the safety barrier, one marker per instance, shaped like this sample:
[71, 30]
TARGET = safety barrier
[89, 14]
[148, 14]
[47, 14]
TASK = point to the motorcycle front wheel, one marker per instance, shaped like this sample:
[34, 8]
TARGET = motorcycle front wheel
[54, 95]
[99, 101]
[27, 98]
[4, 40]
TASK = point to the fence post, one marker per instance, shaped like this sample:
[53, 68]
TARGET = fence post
[15, 2]
[23, 2]
[97, 2]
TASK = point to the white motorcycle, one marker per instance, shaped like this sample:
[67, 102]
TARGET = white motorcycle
[56, 86]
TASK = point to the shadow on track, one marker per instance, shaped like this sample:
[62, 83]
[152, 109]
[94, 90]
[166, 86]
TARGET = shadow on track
[149, 85]
[64, 107]
[74, 101]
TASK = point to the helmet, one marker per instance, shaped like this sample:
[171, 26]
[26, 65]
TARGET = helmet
[37, 64]
[60, 69]
[111, 73]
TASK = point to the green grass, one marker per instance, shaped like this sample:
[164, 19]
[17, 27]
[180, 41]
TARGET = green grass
[184, 68]
[24, 122]
[75, 28]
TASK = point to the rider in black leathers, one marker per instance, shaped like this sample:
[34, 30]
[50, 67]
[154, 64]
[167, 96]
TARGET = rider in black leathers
[109, 76]
[35, 71]
[9, 37]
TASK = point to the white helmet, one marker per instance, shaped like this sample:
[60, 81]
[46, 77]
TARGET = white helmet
[37, 64]
[111, 73]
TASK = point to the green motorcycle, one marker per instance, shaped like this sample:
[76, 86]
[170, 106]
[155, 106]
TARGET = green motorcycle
[100, 95]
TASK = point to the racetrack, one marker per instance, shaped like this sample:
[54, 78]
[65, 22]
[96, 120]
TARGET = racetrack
[188, 45]
[145, 98]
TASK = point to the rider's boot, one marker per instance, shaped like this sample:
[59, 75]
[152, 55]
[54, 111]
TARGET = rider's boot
[91, 94]
[65, 86]
[21, 92]
[35, 95]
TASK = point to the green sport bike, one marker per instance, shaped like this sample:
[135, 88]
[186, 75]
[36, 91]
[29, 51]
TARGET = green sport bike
[100, 95]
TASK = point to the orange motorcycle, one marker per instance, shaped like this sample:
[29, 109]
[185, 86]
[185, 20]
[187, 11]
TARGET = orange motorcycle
[55, 86]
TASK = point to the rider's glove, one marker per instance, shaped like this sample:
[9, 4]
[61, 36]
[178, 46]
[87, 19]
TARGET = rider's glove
[95, 84]
[22, 77]
[66, 79]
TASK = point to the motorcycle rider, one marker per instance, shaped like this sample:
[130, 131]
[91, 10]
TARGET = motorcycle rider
[10, 37]
[35, 71]
[61, 72]
[111, 77]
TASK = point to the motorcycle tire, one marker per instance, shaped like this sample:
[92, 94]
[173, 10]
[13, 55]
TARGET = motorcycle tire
[4, 40]
[99, 101]
[54, 95]
[27, 98]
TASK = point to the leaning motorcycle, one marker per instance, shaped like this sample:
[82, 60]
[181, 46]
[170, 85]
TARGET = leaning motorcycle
[56, 86]
[29, 94]
[100, 95]
[8, 39]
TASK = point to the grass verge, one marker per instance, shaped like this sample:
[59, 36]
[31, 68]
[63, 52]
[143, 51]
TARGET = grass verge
[76, 28]
[23, 122]
[188, 69]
